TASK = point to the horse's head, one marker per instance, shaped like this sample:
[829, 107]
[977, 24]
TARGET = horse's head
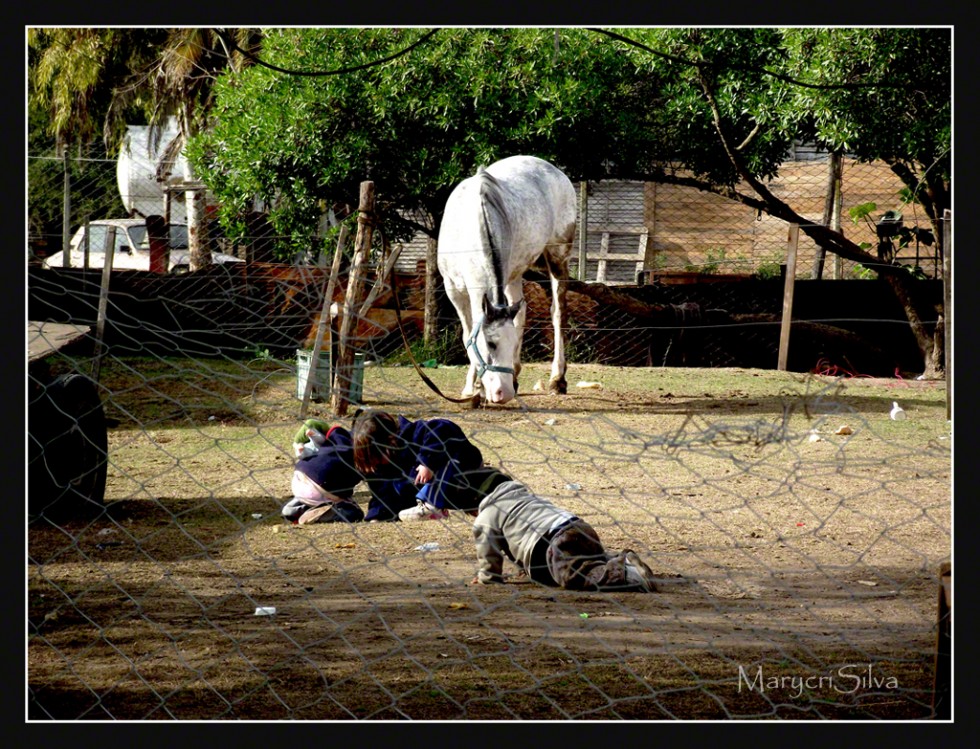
[493, 348]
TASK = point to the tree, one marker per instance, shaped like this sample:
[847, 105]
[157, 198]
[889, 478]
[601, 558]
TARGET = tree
[879, 93]
[716, 109]
[415, 125]
[71, 75]
[96, 80]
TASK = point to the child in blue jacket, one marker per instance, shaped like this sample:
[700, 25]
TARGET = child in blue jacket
[324, 476]
[416, 470]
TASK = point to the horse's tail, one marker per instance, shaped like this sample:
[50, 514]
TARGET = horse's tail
[495, 222]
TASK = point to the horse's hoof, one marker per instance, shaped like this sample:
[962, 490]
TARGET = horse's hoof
[558, 387]
[475, 401]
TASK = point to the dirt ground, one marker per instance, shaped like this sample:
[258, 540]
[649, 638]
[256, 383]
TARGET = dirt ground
[796, 529]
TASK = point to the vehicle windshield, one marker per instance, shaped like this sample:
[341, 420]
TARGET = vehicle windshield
[178, 237]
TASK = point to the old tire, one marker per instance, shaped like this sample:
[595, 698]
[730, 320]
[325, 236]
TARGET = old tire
[68, 448]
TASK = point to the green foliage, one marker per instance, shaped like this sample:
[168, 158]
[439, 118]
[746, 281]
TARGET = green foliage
[716, 260]
[600, 107]
[770, 267]
[580, 347]
[74, 75]
[415, 126]
[628, 103]
[904, 118]
[893, 235]
[862, 272]
[257, 353]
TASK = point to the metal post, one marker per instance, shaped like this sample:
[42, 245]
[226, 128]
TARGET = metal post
[66, 217]
[86, 244]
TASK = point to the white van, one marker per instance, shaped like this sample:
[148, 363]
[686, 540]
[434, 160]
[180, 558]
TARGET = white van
[132, 246]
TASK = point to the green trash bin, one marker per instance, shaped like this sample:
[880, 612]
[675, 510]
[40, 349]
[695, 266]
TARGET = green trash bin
[323, 376]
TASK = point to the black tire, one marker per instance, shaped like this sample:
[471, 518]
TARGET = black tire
[68, 448]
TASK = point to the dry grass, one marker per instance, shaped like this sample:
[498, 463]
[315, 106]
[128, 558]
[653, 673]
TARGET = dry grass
[784, 546]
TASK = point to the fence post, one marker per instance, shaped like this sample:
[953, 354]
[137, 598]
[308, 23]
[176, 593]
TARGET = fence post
[948, 307]
[66, 216]
[583, 228]
[110, 257]
[430, 324]
[86, 245]
[794, 237]
[345, 353]
[324, 320]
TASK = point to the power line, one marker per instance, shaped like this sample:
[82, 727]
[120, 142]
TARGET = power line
[747, 68]
[316, 73]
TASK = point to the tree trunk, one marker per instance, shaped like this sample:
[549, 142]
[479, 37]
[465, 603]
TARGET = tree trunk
[197, 240]
[931, 343]
[343, 370]
[833, 241]
[688, 313]
[831, 210]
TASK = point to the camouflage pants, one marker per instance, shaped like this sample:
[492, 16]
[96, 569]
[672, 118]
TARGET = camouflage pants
[574, 558]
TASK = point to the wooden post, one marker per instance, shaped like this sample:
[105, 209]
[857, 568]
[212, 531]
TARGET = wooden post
[788, 286]
[583, 228]
[321, 327]
[355, 285]
[110, 255]
[948, 306]
[430, 329]
[379, 284]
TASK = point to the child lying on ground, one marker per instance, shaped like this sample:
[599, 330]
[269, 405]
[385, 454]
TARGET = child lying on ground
[324, 476]
[549, 544]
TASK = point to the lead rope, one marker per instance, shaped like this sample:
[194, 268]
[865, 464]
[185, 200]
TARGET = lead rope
[474, 400]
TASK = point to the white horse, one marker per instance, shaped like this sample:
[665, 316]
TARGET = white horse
[497, 223]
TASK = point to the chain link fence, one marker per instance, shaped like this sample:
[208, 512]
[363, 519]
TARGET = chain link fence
[635, 230]
[797, 529]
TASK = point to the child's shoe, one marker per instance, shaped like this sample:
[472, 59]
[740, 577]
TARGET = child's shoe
[638, 573]
[423, 511]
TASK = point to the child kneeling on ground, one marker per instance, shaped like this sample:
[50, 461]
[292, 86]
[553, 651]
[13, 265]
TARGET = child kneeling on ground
[413, 468]
[324, 476]
[551, 545]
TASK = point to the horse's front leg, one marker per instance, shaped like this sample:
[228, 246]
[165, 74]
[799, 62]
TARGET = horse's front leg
[558, 270]
[514, 292]
[461, 301]
[472, 385]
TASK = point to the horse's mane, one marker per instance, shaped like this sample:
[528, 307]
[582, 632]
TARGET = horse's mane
[492, 198]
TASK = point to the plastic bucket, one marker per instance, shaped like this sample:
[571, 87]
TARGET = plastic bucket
[323, 375]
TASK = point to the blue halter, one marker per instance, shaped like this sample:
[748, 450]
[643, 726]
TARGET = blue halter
[484, 367]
